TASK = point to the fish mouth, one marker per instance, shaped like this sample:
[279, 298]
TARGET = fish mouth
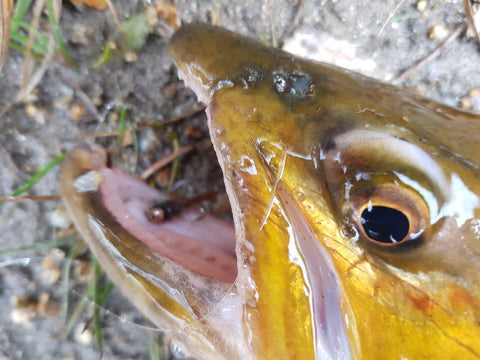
[183, 235]
[178, 271]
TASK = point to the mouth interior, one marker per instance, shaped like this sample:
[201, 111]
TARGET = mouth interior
[198, 241]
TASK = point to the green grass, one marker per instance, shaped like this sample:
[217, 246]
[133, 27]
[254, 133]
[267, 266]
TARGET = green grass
[97, 291]
[44, 245]
[19, 27]
[38, 175]
[57, 35]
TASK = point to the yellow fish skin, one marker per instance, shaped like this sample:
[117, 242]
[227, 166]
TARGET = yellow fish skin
[313, 154]
[356, 216]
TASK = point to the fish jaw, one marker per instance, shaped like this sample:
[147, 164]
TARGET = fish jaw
[295, 141]
[198, 307]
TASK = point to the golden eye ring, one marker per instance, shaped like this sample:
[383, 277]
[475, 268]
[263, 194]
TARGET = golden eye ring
[390, 215]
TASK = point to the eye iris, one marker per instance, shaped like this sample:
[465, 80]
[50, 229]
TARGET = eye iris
[384, 224]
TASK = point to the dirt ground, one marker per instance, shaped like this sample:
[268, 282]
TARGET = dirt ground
[49, 123]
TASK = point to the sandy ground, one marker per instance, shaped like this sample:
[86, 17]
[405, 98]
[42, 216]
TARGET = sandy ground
[34, 132]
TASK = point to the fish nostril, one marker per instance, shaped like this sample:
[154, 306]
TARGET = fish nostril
[384, 224]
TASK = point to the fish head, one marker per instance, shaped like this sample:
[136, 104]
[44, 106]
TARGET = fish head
[355, 207]
[356, 204]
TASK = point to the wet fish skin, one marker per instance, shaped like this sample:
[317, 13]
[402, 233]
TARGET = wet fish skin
[279, 146]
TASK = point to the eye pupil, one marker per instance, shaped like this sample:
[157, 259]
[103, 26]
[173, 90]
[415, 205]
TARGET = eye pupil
[384, 224]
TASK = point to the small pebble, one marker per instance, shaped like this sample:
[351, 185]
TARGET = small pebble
[59, 218]
[438, 32]
[82, 270]
[51, 269]
[81, 34]
[163, 177]
[152, 16]
[83, 335]
[193, 132]
[421, 5]
[471, 102]
[77, 111]
[31, 109]
[23, 311]
[47, 306]
[130, 56]
[169, 13]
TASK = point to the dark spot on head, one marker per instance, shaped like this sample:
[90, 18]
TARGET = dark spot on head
[251, 75]
[300, 85]
[293, 84]
[330, 145]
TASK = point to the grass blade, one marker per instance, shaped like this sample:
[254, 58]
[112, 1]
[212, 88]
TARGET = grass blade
[56, 33]
[39, 174]
[41, 245]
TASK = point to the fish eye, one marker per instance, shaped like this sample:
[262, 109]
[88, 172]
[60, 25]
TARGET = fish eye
[384, 225]
[390, 216]
[388, 188]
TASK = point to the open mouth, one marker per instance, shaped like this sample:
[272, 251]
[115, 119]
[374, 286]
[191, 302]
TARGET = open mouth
[194, 239]
[190, 237]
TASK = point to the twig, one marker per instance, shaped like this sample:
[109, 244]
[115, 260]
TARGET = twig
[38, 74]
[410, 71]
[293, 24]
[196, 109]
[37, 11]
[184, 115]
[165, 161]
[389, 17]
[8, 198]
[469, 15]
[88, 102]
[5, 22]
[115, 17]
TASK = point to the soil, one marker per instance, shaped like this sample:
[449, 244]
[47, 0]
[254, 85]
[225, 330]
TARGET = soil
[48, 123]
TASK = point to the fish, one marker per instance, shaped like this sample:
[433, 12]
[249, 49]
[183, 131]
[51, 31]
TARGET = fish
[356, 215]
